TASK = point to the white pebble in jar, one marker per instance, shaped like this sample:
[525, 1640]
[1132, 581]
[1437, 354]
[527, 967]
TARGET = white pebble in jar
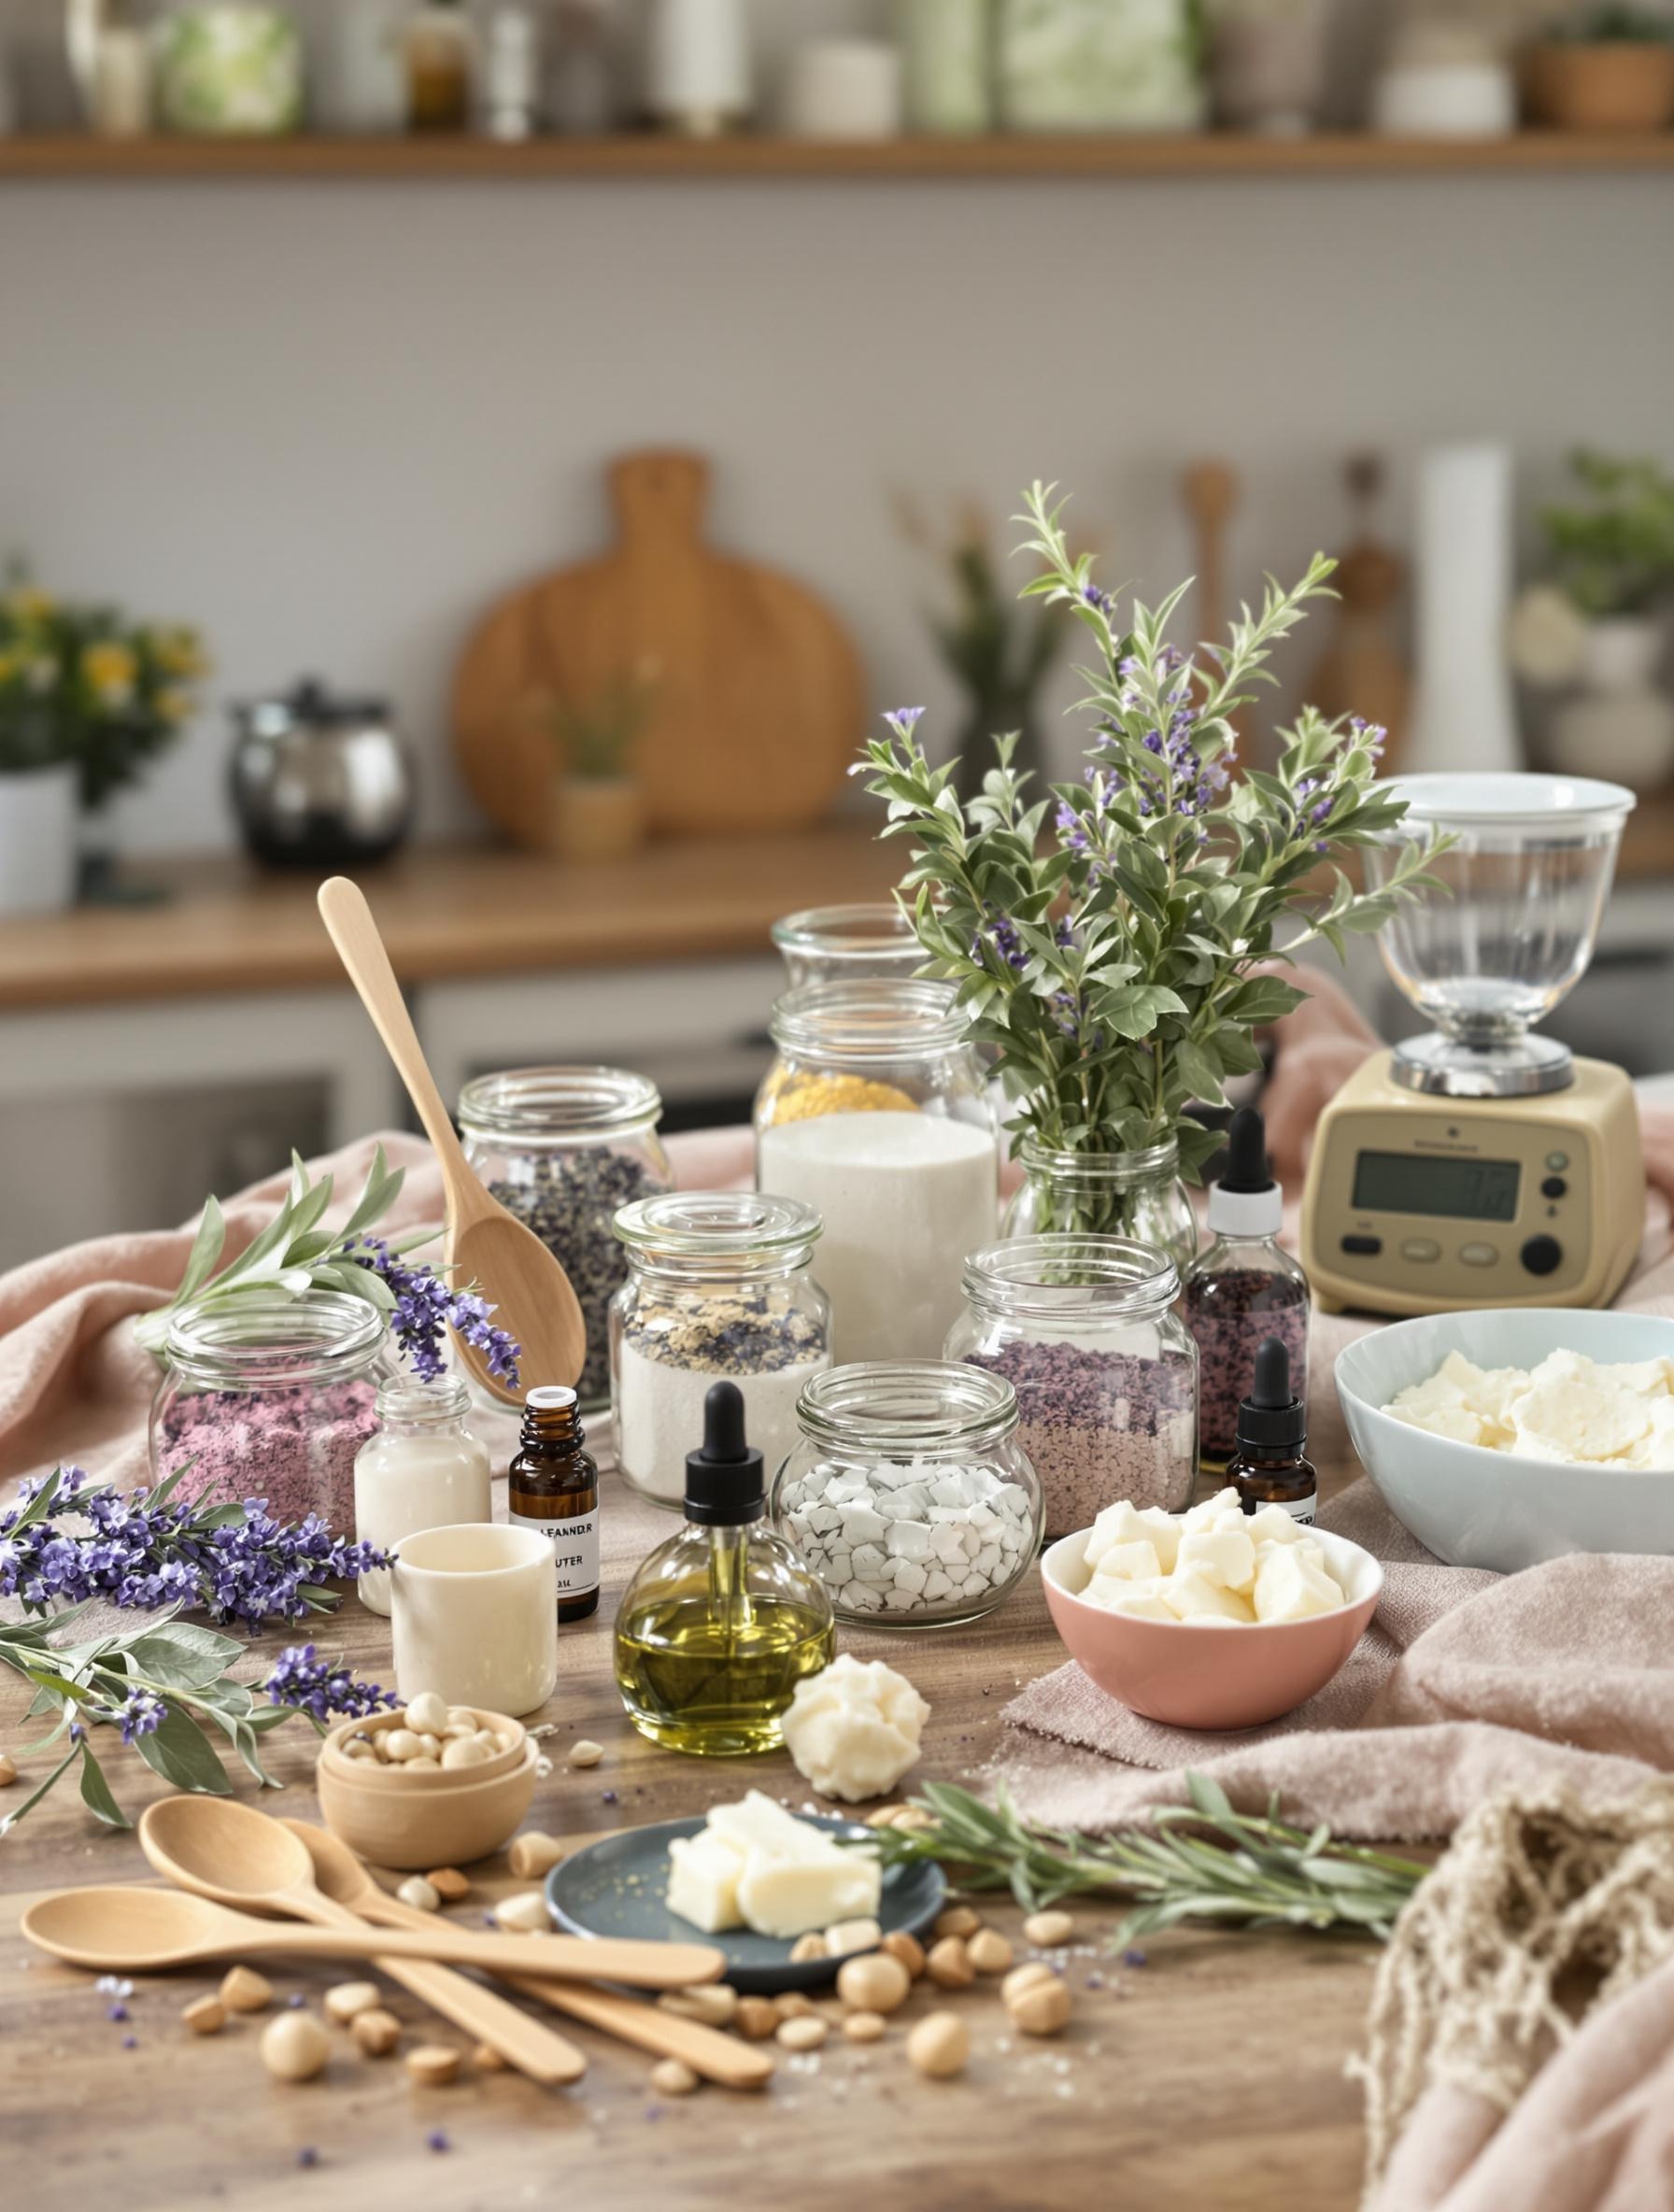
[900, 1539]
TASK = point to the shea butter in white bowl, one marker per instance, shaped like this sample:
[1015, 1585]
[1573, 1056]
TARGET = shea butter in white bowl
[1475, 1507]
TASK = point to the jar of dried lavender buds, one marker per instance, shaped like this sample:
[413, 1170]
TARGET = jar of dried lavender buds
[564, 1149]
[1106, 1371]
[717, 1285]
[1136, 1195]
[271, 1397]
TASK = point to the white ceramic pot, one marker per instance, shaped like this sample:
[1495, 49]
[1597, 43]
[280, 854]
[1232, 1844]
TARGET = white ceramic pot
[1619, 725]
[843, 89]
[474, 1610]
[698, 64]
[38, 841]
[1464, 713]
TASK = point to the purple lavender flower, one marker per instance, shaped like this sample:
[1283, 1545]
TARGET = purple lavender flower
[425, 1308]
[1101, 601]
[904, 721]
[142, 1712]
[324, 1688]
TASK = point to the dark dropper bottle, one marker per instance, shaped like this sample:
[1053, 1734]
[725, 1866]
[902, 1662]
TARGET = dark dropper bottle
[1267, 1468]
[553, 1486]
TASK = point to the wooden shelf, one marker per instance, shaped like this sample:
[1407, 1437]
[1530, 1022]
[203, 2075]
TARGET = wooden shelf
[1208, 154]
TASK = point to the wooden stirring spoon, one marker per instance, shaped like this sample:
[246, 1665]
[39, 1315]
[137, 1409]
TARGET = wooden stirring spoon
[173, 1846]
[520, 1277]
[719, 2057]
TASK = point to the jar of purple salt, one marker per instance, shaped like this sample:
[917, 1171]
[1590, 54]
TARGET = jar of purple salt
[1135, 1195]
[272, 1398]
[1106, 1371]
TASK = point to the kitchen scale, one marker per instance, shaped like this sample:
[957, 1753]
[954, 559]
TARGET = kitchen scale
[1480, 1165]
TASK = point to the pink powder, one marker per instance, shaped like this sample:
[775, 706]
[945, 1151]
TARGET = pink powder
[295, 1447]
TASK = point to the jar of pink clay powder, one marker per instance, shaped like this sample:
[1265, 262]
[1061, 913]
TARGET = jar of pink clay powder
[271, 1398]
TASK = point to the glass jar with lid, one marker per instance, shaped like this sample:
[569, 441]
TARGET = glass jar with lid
[847, 944]
[717, 1285]
[271, 1398]
[909, 1492]
[1137, 1194]
[1084, 1329]
[564, 1149]
[423, 1468]
[875, 1115]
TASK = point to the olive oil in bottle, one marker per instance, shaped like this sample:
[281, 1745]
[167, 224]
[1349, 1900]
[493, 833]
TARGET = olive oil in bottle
[553, 1486]
[722, 1622]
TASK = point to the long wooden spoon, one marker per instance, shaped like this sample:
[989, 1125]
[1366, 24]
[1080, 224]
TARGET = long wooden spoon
[174, 1845]
[719, 2057]
[520, 1277]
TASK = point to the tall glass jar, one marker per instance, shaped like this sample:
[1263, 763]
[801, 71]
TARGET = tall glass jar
[717, 1285]
[1084, 1329]
[875, 1115]
[271, 1398]
[423, 1468]
[564, 1149]
[1137, 1195]
[847, 944]
[910, 1493]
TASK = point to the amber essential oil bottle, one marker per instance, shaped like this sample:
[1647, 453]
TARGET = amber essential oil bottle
[553, 1486]
[1268, 1467]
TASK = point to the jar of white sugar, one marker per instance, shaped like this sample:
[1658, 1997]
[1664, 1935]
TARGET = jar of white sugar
[909, 1493]
[1084, 1328]
[875, 1115]
[717, 1285]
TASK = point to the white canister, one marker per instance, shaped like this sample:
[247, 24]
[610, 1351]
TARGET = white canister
[1463, 712]
[844, 89]
[698, 64]
[37, 839]
[474, 1609]
[423, 1469]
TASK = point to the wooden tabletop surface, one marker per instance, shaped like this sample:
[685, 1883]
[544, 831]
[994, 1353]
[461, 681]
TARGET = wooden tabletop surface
[1209, 2076]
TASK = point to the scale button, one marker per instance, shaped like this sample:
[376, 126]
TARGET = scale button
[1363, 1244]
[1542, 1255]
[1422, 1249]
[1557, 1161]
[1479, 1256]
[1554, 1188]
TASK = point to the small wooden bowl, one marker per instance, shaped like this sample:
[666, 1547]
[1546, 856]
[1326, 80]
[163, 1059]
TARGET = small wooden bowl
[414, 1822]
[378, 1775]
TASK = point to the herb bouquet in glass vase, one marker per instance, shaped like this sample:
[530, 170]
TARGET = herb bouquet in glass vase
[1107, 940]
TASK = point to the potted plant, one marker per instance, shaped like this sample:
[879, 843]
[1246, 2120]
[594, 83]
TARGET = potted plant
[1609, 70]
[600, 812]
[1106, 938]
[86, 699]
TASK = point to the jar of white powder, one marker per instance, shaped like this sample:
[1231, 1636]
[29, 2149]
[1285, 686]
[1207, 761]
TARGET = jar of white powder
[909, 1493]
[874, 1114]
[717, 1284]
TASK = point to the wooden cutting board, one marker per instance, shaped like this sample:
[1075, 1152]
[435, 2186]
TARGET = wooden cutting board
[756, 703]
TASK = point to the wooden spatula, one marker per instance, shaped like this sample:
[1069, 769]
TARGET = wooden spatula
[484, 1243]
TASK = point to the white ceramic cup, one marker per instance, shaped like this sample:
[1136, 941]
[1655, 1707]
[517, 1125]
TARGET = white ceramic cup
[474, 1607]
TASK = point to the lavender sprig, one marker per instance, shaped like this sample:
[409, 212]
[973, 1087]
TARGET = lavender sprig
[425, 1308]
[324, 1688]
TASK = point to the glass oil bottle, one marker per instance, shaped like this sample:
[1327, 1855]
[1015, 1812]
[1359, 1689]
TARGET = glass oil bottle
[553, 1486]
[1269, 1467]
[722, 1621]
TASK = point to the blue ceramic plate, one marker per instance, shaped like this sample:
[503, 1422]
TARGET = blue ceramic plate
[615, 1887]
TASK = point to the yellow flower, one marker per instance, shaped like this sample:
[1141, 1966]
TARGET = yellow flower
[30, 605]
[179, 654]
[110, 671]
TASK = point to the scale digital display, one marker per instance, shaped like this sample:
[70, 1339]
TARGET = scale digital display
[1413, 1183]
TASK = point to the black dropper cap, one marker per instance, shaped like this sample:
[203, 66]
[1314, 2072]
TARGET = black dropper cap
[1271, 1425]
[725, 1485]
[1246, 1170]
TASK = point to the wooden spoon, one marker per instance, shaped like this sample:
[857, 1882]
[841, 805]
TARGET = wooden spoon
[720, 2057]
[136, 1930]
[520, 1276]
[522, 2042]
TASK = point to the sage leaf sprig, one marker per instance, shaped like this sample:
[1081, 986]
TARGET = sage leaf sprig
[1203, 1861]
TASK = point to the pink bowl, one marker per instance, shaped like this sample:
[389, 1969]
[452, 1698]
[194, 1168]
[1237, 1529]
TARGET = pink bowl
[1193, 1677]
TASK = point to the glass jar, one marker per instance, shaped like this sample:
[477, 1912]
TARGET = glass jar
[875, 1115]
[563, 1149]
[271, 1398]
[717, 1285]
[909, 1493]
[1137, 1194]
[1106, 1371]
[1100, 65]
[421, 1468]
[847, 944]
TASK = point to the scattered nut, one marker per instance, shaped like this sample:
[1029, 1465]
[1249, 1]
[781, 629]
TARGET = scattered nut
[875, 1982]
[486, 2060]
[852, 1936]
[9, 1770]
[940, 2045]
[347, 1998]
[864, 2027]
[792, 2005]
[586, 1752]
[1042, 2008]
[905, 1948]
[205, 2016]
[947, 1965]
[242, 1990]
[525, 1914]
[462, 1750]
[672, 2078]
[809, 1946]
[1049, 1929]
[402, 1744]
[988, 1951]
[449, 1883]
[1025, 1978]
[433, 2066]
[295, 2047]
[715, 2004]
[807, 2032]
[914, 1816]
[419, 1894]
[756, 2018]
[886, 1816]
[427, 1714]
[958, 1919]
[534, 1854]
[358, 1747]
[376, 2030]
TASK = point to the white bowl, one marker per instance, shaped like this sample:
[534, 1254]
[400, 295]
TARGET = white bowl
[1476, 1508]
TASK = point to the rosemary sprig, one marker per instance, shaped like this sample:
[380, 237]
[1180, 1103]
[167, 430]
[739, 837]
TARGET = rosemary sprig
[1202, 1861]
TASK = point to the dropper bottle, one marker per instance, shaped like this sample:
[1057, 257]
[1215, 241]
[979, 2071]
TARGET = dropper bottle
[721, 1623]
[1269, 1467]
[1242, 1289]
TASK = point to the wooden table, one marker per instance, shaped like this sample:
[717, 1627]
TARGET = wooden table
[1210, 2077]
